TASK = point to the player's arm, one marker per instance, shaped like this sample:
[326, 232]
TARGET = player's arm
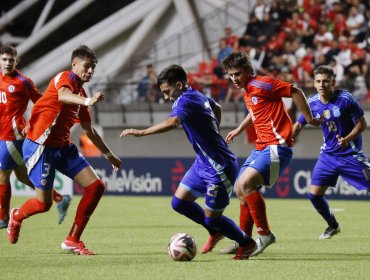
[242, 126]
[300, 101]
[355, 132]
[166, 125]
[66, 96]
[100, 144]
[297, 128]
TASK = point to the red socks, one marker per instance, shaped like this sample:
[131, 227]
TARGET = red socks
[31, 207]
[257, 207]
[57, 197]
[245, 219]
[86, 207]
[5, 194]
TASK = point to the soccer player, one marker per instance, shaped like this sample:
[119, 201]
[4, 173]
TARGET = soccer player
[341, 153]
[47, 148]
[16, 90]
[214, 170]
[263, 97]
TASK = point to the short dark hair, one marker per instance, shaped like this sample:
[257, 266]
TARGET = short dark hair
[324, 69]
[171, 75]
[236, 60]
[84, 51]
[9, 50]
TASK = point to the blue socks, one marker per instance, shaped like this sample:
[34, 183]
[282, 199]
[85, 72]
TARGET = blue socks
[191, 210]
[229, 229]
[322, 207]
[221, 224]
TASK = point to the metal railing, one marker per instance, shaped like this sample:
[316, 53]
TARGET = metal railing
[177, 49]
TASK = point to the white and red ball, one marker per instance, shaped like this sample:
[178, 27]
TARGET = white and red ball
[182, 247]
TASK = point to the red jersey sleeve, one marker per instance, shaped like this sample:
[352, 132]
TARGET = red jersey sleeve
[282, 89]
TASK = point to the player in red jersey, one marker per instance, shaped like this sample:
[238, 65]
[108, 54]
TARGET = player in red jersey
[48, 148]
[16, 90]
[263, 97]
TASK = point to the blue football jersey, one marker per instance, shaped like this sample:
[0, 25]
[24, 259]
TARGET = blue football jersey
[201, 126]
[339, 118]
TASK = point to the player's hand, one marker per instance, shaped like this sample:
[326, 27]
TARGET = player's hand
[316, 122]
[231, 135]
[342, 142]
[131, 131]
[115, 161]
[98, 97]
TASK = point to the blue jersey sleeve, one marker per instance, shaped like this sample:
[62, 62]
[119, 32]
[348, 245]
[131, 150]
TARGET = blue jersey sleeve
[355, 109]
[302, 120]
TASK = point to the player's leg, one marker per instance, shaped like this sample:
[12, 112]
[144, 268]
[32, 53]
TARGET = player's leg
[245, 217]
[218, 193]
[42, 173]
[63, 201]
[10, 158]
[215, 206]
[190, 188]
[40, 204]
[5, 195]
[264, 170]
[75, 166]
[320, 203]
[324, 174]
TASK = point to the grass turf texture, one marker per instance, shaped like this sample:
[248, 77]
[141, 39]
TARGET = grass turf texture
[130, 236]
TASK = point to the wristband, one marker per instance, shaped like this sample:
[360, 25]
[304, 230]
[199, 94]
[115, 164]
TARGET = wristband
[109, 154]
[87, 101]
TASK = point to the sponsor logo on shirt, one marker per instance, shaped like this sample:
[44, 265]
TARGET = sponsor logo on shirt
[11, 88]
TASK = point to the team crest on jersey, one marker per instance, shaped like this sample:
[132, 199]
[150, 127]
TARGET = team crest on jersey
[43, 182]
[11, 88]
[254, 100]
[336, 112]
[326, 114]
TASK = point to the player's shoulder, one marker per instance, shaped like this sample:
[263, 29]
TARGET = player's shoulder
[313, 98]
[344, 95]
[262, 82]
[23, 79]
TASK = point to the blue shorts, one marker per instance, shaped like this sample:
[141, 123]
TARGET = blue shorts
[354, 168]
[10, 154]
[270, 162]
[217, 186]
[42, 161]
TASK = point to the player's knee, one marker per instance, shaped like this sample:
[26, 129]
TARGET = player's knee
[98, 187]
[176, 204]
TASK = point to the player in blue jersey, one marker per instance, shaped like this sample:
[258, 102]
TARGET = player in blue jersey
[341, 153]
[215, 168]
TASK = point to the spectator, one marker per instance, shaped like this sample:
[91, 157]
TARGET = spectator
[260, 8]
[147, 87]
[231, 39]
[356, 24]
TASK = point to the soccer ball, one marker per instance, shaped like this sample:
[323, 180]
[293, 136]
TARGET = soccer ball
[182, 247]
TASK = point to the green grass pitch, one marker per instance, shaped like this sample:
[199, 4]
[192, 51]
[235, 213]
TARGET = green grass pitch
[130, 235]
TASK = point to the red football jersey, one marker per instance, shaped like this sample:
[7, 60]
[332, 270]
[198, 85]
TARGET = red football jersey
[51, 120]
[263, 97]
[16, 91]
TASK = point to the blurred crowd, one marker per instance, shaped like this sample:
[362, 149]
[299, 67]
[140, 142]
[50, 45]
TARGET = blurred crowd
[287, 39]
